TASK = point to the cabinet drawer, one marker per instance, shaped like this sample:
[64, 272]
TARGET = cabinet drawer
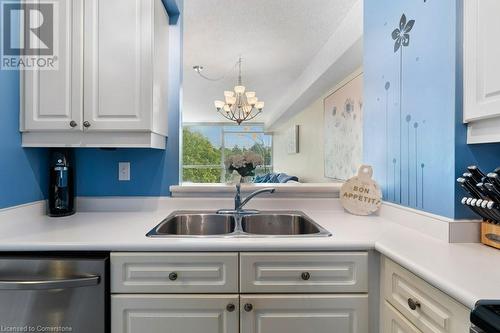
[394, 322]
[435, 312]
[304, 313]
[174, 272]
[339, 272]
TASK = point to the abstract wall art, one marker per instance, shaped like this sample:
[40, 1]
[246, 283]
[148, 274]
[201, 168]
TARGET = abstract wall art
[343, 121]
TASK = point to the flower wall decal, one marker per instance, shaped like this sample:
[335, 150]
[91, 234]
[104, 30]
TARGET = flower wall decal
[401, 35]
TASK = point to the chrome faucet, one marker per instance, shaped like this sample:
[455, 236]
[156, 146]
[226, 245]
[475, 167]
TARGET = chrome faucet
[238, 204]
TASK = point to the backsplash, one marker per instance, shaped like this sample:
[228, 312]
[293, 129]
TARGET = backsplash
[23, 176]
[414, 136]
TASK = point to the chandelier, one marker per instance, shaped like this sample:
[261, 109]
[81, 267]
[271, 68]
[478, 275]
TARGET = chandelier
[238, 105]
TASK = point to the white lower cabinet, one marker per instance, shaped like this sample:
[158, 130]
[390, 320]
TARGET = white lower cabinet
[427, 308]
[395, 322]
[174, 313]
[313, 293]
[304, 313]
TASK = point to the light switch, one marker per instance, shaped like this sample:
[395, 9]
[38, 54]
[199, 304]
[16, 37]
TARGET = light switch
[124, 171]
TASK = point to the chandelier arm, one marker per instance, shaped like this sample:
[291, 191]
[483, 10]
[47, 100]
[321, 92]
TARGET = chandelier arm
[253, 115]
[232, 112]
[224, 115]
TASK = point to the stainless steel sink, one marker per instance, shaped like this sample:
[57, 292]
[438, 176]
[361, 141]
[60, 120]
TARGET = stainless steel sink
[263, 224]
[194, 224]
[282, 224]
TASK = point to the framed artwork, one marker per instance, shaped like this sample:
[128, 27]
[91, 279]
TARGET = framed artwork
[293, 140]
[343, 138]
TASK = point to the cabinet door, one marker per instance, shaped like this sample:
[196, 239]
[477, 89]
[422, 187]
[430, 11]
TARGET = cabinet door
[118, 64]
[304, 313]
[52, 99]
[481, 65]
[175, 314]
[393, 322]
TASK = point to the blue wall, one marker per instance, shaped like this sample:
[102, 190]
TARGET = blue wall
[414, 134]
[152, 171]
[23, 172]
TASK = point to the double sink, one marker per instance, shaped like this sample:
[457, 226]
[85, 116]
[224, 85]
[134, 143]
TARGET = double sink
[262, 224]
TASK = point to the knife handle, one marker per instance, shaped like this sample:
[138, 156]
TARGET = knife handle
[477, 174]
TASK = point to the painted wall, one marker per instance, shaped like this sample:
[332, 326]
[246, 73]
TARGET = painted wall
[151, 171]
[414, 134]
[309, 163]
[23, 172]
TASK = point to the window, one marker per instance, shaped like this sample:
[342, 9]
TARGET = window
[205, 147]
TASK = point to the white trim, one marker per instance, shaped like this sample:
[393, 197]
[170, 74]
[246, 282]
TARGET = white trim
[297, 190]
[94, 139]
[484, 131]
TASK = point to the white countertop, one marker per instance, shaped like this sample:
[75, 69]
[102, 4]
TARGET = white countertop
[467, 272]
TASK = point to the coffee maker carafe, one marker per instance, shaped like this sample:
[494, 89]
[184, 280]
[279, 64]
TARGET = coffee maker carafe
[61, 186]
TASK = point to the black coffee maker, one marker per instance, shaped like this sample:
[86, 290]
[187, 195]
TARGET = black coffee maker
[62, 185]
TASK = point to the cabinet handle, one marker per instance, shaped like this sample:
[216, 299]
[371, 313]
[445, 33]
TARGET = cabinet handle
[413, 304]
[230, 307]
[172, 276]
[73, 124]
[305, 276]
[86, 124]
[248, 307]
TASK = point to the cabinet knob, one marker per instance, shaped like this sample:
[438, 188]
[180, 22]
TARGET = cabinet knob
[73, 123]
[86, 124]
[173, 276]
[230, 307]
[413, 304]
[248, 307]
[305, 276]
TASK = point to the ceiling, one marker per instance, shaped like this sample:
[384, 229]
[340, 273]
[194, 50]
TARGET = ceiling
[277, 40]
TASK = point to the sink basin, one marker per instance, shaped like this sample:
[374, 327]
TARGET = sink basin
[282, 224]
[263, 224]
[194, 224]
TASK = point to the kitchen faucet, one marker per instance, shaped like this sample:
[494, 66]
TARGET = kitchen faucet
[239, 204]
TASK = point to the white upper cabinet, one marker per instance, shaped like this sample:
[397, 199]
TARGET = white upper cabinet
[111, 89]
[52, 99]
[482, 70]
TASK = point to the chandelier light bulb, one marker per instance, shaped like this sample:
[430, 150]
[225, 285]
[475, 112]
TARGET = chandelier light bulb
[259, 105]
[230, 100]
[219, 104]
[252, 100]
[250, 94]
[228, 93]
[239, 89]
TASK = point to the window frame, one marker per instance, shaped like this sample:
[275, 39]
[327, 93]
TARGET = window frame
[222, 125]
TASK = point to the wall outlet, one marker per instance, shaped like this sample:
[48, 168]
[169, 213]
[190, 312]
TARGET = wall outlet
[124, 171]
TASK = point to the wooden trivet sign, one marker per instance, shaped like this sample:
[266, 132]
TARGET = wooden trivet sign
[361, 195]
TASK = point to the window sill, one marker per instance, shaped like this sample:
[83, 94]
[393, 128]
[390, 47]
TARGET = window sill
[288, 190]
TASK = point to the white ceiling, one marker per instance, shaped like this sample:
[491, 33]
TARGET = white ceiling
[276, 38]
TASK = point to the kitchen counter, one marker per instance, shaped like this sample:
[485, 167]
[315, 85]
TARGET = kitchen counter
[467, 272]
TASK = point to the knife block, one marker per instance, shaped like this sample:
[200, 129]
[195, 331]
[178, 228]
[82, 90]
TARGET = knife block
[490, 234]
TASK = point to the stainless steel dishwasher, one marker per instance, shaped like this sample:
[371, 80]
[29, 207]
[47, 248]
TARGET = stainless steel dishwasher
[53, 294]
